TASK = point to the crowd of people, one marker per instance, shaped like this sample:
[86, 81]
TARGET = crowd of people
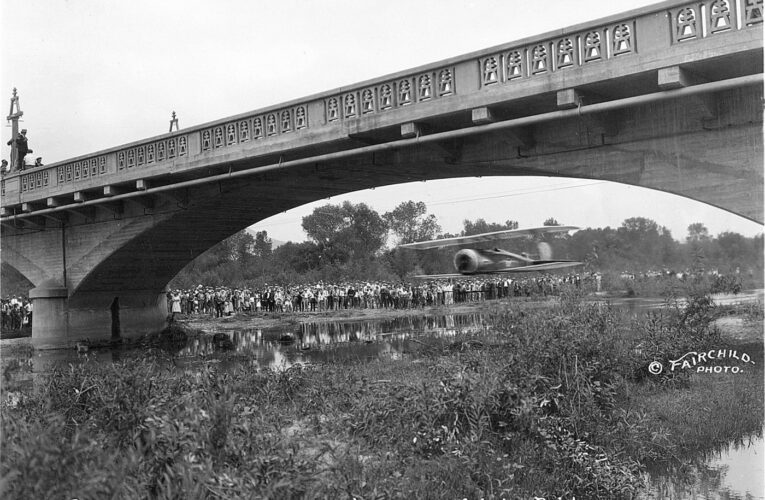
[17, 312]
[222, 301]
[322, 296]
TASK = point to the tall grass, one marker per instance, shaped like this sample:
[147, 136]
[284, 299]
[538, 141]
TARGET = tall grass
[546, 402]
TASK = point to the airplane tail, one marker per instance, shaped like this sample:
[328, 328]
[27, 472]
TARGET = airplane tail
[545, 251]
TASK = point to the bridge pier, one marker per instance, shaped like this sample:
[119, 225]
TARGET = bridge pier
[61, 321]
[49, 311]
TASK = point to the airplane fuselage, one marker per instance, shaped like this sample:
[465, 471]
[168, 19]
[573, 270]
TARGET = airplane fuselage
[470, 261]
[474, 260]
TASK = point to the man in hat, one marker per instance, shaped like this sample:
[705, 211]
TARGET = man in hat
[209, 301]
[22, 148]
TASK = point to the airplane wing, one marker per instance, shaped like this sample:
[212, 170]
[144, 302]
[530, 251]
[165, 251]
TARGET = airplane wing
[543, 266]
[440, 276]
[546, 266]
[472, 240]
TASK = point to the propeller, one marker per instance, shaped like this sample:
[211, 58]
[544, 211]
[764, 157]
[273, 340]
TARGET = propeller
[545, 251]
[466, 261]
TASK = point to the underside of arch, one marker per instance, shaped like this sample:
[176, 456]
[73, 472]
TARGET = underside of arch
[215, 212]
[13, 282]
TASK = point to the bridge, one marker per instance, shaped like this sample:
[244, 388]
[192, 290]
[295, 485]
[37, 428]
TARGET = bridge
[666, 97]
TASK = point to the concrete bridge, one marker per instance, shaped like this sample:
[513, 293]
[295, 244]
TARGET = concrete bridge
[667, 97]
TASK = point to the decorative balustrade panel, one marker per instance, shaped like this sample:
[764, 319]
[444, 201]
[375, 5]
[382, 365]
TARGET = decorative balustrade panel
[35, 180]
[257, 127]
[558, 54]
[698, 20]
[418, 88]
[72, 172]
[152, 153]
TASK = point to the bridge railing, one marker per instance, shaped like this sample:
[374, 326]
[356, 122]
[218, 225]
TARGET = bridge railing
[396, 98]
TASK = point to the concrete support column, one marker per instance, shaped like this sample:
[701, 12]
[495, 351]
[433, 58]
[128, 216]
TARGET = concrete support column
[117, 314]
[49, 313]
[59, 321]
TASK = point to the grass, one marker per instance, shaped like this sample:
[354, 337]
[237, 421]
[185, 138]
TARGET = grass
[734, 404]
[548, 402]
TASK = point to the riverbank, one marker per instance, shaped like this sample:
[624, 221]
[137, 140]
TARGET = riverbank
[285, 319]
[553, 401]
[266, 320]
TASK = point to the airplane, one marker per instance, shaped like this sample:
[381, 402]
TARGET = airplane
[475, 259]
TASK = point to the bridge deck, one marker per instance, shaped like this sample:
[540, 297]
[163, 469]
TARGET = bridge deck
[610, 59]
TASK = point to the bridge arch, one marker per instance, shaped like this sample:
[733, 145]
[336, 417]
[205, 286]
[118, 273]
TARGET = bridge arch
[14, 282]
[149, 260]
[676, 113]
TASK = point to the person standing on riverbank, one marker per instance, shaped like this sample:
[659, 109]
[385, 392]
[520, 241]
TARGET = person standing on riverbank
[175, 303]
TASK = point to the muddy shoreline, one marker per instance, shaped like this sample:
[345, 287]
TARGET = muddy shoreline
[279, 319]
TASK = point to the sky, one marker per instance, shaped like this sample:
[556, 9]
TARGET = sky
[94, 74]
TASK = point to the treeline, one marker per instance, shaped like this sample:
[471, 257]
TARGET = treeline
[354, 242]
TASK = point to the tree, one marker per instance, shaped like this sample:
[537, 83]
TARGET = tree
[635, 227]
[345, 231]
[698, 241]
[410, 222]
[697, 232]
[481, 226]
[262, 251]
[236, 247]
[299, 257]
[263, 246]
[643, 243]
[731, 247]
[323, 224]
[242, 246]
[367, 232]
[551, 222]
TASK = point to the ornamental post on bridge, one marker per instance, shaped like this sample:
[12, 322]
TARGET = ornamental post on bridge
[173, 122]
[49, 298]
[13, 117]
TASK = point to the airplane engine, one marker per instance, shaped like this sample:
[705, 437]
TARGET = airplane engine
[468, 261]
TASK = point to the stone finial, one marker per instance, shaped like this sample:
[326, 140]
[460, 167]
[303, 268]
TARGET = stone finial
[173, 122]
[15, 102]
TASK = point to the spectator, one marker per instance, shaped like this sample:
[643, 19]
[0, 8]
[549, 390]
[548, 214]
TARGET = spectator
[22, 148]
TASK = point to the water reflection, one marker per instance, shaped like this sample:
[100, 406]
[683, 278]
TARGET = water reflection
[733, 473]
[328, 341]
[640, 304]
